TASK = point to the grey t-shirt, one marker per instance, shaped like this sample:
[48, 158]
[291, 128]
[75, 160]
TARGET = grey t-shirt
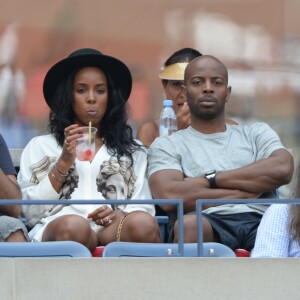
[194, 154]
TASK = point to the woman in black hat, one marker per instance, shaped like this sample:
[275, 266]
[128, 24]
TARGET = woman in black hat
[86, 87]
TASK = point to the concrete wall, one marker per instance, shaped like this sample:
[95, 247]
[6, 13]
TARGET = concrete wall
[149, 278]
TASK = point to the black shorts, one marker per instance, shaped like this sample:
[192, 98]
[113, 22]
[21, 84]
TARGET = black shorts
[236, 230]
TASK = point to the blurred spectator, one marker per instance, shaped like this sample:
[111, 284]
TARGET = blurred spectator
[11, 228]
[12, 79]
[278, 234]
[12, 87]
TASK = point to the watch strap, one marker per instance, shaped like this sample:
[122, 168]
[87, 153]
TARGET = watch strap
[212, 180]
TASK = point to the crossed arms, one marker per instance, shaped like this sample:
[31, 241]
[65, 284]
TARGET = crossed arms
[247, 182]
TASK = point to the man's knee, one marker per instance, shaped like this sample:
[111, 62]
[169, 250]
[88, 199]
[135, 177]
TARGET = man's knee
[209, 235]
[190, 229]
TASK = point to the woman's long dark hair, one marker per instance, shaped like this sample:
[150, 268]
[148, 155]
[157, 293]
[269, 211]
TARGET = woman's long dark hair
[114, 129]
[294, 211]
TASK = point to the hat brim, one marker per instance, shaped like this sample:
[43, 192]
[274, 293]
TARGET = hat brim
[117, 70]
[173, 72]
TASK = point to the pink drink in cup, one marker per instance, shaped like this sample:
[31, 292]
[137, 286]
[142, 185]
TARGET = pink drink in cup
[86, 146]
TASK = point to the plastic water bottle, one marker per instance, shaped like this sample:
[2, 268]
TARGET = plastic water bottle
[168, 120]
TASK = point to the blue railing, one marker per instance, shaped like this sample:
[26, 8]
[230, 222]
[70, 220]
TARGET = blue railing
[177, 202]
[201, 202]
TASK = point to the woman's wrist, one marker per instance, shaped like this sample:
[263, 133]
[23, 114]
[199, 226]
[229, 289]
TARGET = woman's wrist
[61, 168]
[57, 178]
[59, 173]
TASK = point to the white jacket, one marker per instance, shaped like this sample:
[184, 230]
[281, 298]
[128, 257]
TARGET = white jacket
[40, 155]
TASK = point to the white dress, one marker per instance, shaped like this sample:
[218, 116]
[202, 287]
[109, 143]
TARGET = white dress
[40, 155]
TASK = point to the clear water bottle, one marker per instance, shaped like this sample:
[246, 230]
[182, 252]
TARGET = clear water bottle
[168, 120]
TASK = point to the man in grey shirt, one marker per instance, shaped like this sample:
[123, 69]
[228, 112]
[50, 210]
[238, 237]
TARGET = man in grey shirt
[214, 160]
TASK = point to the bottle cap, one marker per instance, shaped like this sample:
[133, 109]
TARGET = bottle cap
[168, 103]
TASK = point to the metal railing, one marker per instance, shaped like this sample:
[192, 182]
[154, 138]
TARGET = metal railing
[177, 202]
[201, 202]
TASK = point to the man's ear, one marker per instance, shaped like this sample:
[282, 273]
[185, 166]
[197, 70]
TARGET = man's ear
[228, 93]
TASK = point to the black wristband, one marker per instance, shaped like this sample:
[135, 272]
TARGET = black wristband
[211, 177]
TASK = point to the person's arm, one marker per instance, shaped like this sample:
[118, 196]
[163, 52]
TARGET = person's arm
[246, 182]
[258, 177]
[9, 189]
[41, 164]
[170, 184]
[273, 168]
[148, 132]
[167, 180]
[272, 238]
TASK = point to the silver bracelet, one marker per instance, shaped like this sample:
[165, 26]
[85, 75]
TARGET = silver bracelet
[56, 178]
[58, 172]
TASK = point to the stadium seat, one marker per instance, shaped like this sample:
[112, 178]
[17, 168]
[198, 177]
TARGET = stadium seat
[242, 253]
[163, 223]
[44, 249]
[127, 249]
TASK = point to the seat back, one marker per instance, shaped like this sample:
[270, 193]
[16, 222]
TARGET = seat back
[44, 249]
[163, 223]
[15, 154]
[129, 249]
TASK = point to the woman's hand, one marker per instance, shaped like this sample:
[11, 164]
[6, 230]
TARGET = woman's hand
[68, 154]
[59, 172]
[69, 148]
[183, 116]
[104, 216]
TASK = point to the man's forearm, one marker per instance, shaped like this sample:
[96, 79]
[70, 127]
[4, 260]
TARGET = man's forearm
[261, 176]
[191, 189]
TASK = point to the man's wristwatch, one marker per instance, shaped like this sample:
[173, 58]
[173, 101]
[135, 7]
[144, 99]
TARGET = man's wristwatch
[211, 177]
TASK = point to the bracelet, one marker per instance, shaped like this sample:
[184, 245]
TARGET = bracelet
[56, 178]
[59, 172]
[120, 228]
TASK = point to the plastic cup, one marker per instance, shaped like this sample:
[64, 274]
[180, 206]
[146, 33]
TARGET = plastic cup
[86, 146]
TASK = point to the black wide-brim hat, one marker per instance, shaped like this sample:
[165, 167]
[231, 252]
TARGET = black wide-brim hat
[116, 69]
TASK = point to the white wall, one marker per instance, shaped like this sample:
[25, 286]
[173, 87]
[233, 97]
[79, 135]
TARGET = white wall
[149, 278]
